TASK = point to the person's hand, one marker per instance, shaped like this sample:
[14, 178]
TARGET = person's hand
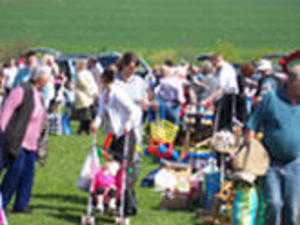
[206, 103]
[94, 130]
[145, 104]
[127, 127]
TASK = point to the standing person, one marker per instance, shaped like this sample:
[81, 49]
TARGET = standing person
[96, 69]
[205, 82]
[247, 86]
[170, 95]
[268, 81]
[135, 87]
[120, 115]
[225, 96]
[21, 122]
[278, 114]
[86, 91]
[24, 74]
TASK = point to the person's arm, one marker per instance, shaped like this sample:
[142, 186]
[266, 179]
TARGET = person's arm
[200, 83]
[213, 97]
[13, 101]
[257, 119]
[98, 119]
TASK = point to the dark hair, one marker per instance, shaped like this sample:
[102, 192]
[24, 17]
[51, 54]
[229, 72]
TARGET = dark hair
[92, 62]
[169, 62]
[127, 59]
[28, 54]
[109, 74]
[247, 69]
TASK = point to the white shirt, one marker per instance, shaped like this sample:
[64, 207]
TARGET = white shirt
[228, 79]
[10, 75]
[171, 84]
[120, 109]
[135, 87]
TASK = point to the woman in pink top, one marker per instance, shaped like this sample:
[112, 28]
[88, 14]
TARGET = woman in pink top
[21, 123]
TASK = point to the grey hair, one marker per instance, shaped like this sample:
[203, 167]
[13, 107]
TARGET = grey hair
[40, 72]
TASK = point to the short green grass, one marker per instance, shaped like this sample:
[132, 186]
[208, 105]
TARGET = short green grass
[181, 27]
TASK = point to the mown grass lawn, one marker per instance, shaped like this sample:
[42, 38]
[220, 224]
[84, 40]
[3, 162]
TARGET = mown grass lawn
[156, 27]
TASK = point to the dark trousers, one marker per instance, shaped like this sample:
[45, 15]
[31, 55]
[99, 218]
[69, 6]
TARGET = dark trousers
[228, 106]
[19, 180]
[117, 149]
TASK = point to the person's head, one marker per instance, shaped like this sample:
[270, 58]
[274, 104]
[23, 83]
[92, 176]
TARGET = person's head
[247, 70]
[264, 66]
[128, 64]
[11, 62]
[92, 62]
[291, 66]
[40, 76]
[108, 76]
[294, 81]
[81, 64]
[169, 62]
[217, 60]
[206, 67]
[48, 60]
[31, 59]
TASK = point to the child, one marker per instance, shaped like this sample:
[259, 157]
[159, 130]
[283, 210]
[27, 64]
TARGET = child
[105, 186]
[121, 117]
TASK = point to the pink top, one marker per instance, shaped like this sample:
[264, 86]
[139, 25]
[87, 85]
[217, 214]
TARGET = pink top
[105, 181]
[38, 116]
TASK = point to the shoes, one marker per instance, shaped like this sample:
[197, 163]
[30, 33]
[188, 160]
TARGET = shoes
[122, 221]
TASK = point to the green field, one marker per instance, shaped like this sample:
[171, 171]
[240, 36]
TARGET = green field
[156, 28]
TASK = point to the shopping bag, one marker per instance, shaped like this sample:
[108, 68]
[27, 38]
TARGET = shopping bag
[245, 205]
[89, 169]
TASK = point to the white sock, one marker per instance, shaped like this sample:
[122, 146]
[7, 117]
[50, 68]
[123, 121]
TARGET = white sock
[100, 203]
[112, 204]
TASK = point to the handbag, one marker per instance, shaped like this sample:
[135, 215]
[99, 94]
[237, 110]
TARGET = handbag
[252, 158]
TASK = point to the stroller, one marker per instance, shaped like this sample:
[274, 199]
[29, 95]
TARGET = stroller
[106, 183]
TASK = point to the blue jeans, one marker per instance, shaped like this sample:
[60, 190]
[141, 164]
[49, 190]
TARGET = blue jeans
[169, 112]
[19, 179]
[282, 194]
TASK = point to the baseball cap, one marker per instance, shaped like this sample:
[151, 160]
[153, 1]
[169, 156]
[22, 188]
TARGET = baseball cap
[264, 64]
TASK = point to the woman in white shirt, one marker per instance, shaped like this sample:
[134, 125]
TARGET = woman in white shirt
[120, 115]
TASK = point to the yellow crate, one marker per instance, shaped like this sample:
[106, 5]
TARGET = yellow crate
[163, 131]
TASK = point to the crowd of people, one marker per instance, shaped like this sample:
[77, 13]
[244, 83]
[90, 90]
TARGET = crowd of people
[36, 94]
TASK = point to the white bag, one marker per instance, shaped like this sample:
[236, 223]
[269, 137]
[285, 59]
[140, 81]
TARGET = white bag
[89, 168]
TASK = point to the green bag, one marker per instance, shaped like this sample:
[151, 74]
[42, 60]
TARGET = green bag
[245, 205]
[261, 210]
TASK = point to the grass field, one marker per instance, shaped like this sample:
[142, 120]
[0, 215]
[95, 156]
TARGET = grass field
[154, 28]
